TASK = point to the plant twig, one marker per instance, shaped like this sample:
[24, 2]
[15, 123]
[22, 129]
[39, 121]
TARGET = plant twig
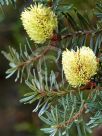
[53, 93]
[78, 33]
[75, 117]
[33, 59]
[78, 114]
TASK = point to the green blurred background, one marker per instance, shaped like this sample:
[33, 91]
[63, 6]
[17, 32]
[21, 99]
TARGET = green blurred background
[17, 119]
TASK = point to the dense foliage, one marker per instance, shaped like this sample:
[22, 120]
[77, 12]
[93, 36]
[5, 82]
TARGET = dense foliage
[66, 109]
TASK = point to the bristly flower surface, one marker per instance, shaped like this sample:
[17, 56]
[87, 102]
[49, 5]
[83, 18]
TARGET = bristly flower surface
[79, 66]
[39, 22]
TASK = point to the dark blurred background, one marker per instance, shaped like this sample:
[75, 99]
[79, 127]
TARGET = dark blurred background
[17, 119]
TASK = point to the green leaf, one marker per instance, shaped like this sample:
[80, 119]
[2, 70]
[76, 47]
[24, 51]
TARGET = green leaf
[7, 2]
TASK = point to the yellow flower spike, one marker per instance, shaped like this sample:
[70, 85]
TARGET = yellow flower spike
[79, 66]
[39, 22]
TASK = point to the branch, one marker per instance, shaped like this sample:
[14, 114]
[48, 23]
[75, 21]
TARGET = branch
[61, 93]
[78, 33]
[53, 93]
[75, 117]
[79, 113]
[45, 51]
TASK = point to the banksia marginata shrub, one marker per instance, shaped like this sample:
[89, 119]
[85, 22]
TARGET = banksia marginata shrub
[65, 83]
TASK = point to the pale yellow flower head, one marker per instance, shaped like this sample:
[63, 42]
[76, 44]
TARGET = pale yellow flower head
[79, 66]
[39, 22]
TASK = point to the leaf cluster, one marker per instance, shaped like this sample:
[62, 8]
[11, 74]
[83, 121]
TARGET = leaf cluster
[66, 110]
